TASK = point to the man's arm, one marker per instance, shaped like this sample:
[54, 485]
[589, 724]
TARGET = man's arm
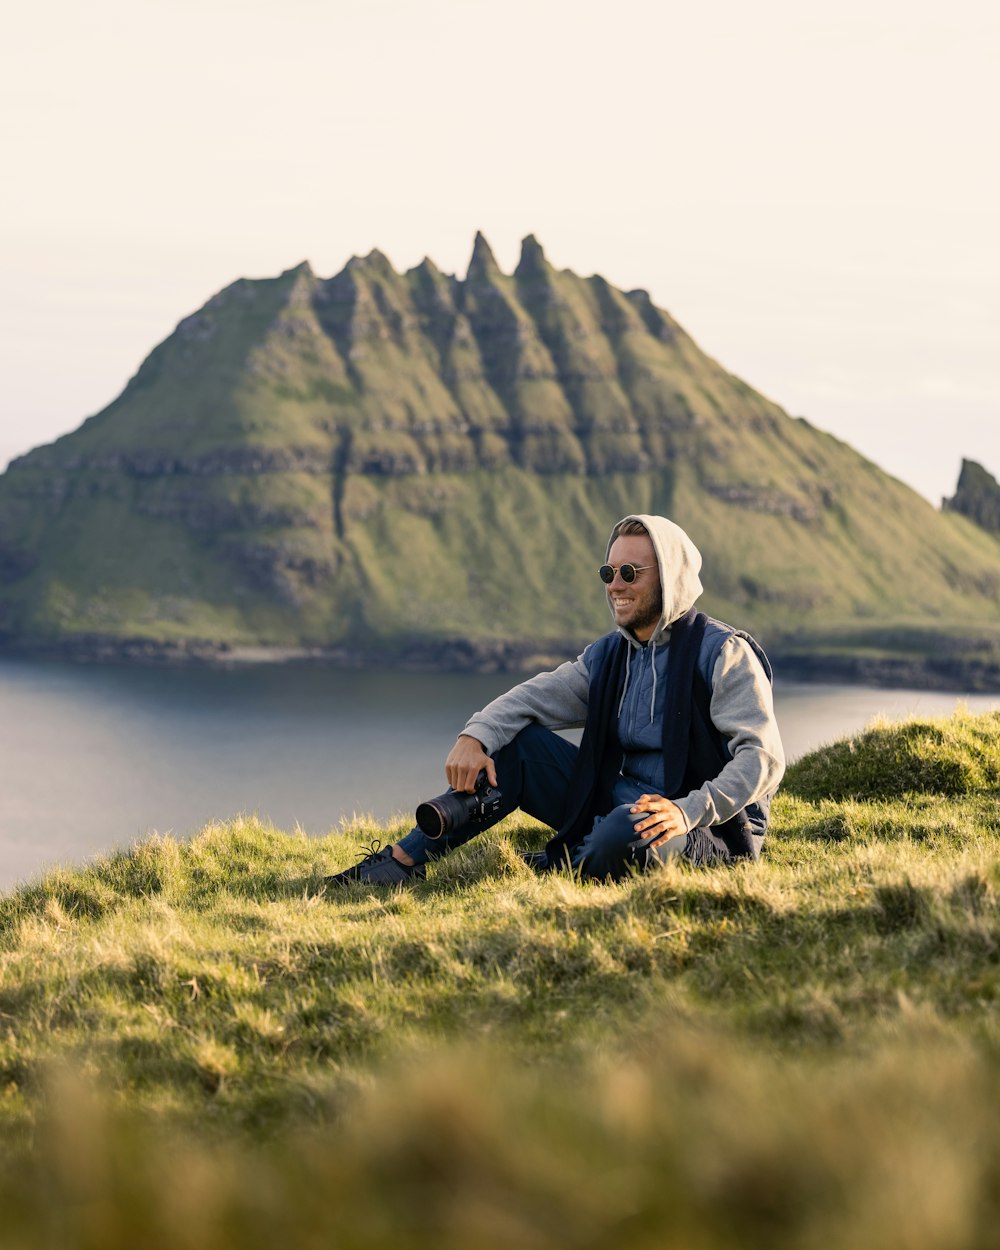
[557, 700]
[742, 709]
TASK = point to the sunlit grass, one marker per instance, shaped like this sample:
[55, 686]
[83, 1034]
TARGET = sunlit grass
[752, 1054]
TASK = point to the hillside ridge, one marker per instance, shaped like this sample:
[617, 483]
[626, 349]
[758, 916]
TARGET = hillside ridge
[383, 464]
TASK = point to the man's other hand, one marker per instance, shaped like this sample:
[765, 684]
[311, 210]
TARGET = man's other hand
[665, 819]
[465, 762]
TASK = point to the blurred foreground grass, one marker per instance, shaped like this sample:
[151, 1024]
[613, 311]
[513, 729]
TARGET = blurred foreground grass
[200, 1046]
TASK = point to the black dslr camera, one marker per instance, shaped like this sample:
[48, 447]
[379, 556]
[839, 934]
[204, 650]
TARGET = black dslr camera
[455, 808]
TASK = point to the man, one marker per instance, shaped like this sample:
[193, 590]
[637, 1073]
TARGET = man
[680, 753]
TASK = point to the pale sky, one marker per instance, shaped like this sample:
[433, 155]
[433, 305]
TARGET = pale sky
[812, 190]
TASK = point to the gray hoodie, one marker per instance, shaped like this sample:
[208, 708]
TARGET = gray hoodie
[742, 708]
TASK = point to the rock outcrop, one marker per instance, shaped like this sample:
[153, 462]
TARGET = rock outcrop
[977, 497]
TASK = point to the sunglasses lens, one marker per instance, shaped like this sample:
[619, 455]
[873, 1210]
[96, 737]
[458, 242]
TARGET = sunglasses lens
[628, 572]
[607, 573]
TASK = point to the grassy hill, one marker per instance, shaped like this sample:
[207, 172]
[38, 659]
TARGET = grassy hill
[383, 465]
[203, 1047]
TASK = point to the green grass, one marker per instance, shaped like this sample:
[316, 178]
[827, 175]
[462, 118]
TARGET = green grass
[202, 1045]
[959, 757]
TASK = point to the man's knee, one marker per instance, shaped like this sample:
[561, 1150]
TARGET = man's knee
[615, 831]
[606, 850]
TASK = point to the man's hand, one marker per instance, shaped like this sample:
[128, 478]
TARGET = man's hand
[665, 819]
[465, 762]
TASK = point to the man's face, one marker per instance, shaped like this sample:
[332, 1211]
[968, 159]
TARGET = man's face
[637, 605]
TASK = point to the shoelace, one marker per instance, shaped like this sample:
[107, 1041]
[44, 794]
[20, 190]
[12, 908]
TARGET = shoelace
[375, 848]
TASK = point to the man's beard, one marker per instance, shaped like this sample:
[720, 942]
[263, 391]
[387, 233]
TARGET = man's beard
[647, 613]
[646, 610]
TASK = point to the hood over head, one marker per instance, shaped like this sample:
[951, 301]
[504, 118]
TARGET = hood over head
[679, 562]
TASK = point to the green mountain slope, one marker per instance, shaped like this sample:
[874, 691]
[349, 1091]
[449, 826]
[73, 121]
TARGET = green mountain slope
[389, 462]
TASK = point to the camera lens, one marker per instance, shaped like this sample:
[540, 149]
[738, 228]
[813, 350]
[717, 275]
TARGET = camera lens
[448, 811]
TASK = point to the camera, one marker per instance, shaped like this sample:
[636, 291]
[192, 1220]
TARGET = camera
[454, 808]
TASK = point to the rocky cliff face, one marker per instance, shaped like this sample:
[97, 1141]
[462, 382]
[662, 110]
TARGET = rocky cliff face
[977, 497]
[393, 375]
[381, 460]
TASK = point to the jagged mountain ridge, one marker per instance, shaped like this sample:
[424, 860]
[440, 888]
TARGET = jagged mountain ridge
[422, 373]
[380, 460]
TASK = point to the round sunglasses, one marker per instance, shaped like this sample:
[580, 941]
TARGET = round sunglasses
[628, 571]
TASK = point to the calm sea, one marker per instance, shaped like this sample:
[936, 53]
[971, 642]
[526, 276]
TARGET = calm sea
[94, 757]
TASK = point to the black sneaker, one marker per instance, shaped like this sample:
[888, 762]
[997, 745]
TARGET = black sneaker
[378, 868]
[537, 861]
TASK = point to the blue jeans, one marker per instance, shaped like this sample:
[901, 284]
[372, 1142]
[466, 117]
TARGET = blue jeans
[533, 774]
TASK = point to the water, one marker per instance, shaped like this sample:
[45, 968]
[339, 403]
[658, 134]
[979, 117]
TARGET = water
[94, 757]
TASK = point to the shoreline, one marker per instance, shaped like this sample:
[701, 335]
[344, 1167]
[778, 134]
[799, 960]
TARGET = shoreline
[906, 671]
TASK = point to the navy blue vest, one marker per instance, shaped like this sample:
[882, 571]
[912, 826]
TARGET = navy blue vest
[693, 749]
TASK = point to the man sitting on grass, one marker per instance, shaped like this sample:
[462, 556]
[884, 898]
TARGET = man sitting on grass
[680, 752]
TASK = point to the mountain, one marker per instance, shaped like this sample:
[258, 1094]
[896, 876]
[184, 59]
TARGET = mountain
[977, 497]
[419, 467]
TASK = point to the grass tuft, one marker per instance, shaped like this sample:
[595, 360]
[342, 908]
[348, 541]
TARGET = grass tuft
[958, 755]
